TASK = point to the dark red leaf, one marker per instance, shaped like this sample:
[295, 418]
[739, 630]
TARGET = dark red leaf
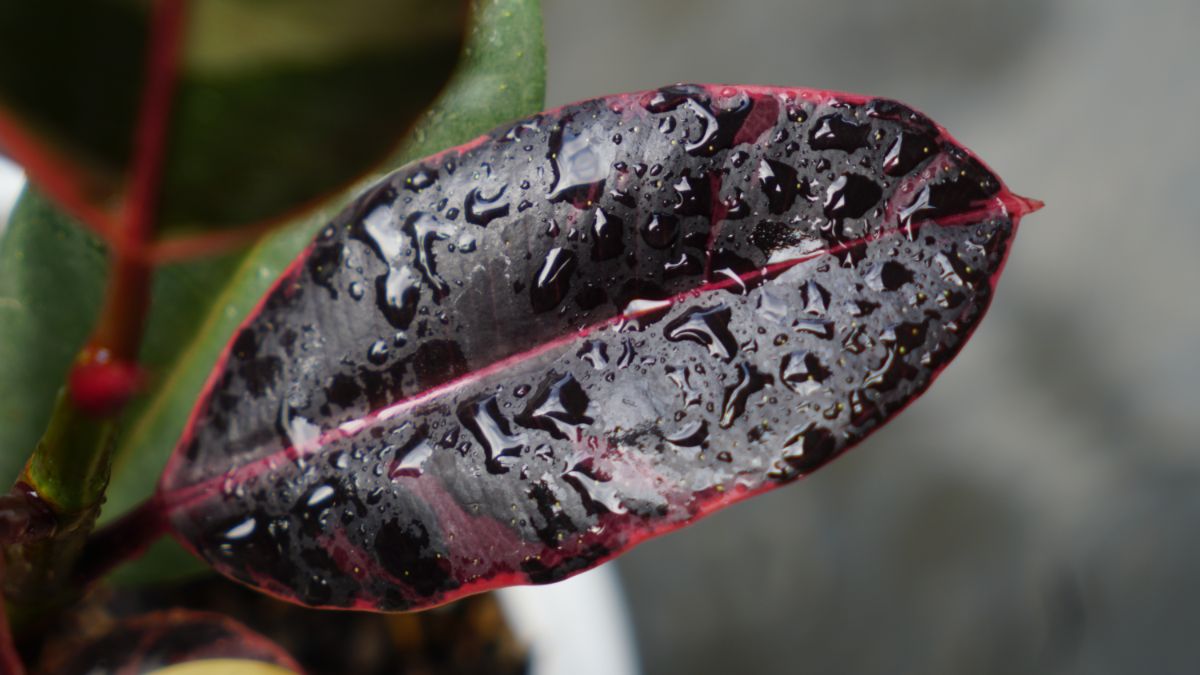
[150, 642]
[514, 360]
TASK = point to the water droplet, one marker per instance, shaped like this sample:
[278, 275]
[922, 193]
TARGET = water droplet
[378, 353]
[559, 406]
[717, 126]
[907, 152]
[808, 448]
[410, 460]
[640, 313]
[857, 340]
[660, 230]
[694, 435]
[735, 205]
[482, 209]
[608, 240]
[905, 336]
[796, 114]
[835, 132]
[552, 281]
[667, 99]
[420, 179]
[773, 306]
[624, 198]
[301, 433]
[815, 298]
[466, 243]
[595, 487]
[820, 328]
[889, 276]
[778, 183]
[424, 229]
[750, 381]
[890, 372]
[382, 234]
[682, 378]
[628, 352]
[398, 295]
[482, 417]
[324, 263]
[580, 165]
[862, 409]
[851, 196]
[398, 291]
[694, 195]
[708, 129]
[595, 352]
[241, 530]
[802, 372]
[707, 326]
[682, 266]
[320, 495]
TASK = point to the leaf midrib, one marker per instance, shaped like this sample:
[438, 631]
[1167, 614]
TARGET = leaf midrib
[181, 498]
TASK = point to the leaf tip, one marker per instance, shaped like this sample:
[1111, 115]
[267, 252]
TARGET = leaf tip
[1020, 206]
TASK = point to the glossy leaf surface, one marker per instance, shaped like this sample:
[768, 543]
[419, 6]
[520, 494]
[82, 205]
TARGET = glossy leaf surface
[512, 361]
[264, 107]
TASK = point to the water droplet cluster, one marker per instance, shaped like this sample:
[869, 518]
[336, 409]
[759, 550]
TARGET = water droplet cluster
[511, 362]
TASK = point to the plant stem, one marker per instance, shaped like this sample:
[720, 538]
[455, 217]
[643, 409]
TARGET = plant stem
[122, 540]
[70, 466]
[24, 516]
[64, 479]
[10, 660]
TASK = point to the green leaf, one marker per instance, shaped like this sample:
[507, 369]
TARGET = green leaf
[51, 283]
[501, 78]
[275, 104]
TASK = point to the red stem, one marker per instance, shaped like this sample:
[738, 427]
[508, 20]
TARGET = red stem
[124, 539]
[128, 297]
[46, 167]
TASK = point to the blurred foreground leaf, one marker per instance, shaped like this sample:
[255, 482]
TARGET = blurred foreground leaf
[275, 105]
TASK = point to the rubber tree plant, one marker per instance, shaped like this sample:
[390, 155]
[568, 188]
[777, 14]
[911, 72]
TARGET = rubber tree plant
[508, 360]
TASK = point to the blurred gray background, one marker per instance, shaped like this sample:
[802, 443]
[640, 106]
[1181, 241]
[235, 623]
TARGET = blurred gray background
[1038, 511]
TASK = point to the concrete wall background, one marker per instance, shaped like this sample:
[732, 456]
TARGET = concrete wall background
[1039, 509]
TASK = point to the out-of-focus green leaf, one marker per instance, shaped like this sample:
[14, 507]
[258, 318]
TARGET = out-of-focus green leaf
[51, 283]
[276, 103]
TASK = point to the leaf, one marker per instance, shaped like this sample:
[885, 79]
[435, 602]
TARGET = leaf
[258, 107]
[51, 280]
[514, 360]
[164, 641]
[501, 77]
